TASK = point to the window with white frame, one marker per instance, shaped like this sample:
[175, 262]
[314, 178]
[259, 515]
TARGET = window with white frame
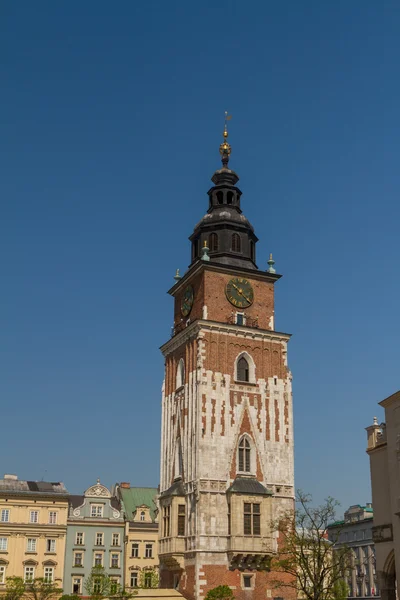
[135, 550]
[247, 581]
[115, 539]
[96, 510]
[99, 539]
[245, 369]
[97, 585]
[50, 545]
[142, 515]
[134, 579]
[149, 551]
[2, 574]
[114, 560]
[52, 517]
[98, 559]
[78, 559]
[3, 543]
[31, 545]
[5, 515]
[79, 539]
[114, 584]
[77, 585]
[29, 574]
[49, 574]
[34, 516]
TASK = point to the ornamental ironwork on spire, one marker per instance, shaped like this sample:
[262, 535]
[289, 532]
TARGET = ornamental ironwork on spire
[229, 236]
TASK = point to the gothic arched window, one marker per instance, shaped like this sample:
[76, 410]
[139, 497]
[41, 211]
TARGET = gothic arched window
[244, 461]
[242, 369]
[213, 242]
[236, 243]
[180, 374]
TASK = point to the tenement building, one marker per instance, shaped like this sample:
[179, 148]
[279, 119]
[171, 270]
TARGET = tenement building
[33, 529]
[227, 426]
[141, 535]
[95, 538]
[384, 454]
[355, 532]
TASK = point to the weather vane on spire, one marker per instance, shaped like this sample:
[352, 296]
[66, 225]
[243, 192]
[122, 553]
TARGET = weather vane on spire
[225, 149]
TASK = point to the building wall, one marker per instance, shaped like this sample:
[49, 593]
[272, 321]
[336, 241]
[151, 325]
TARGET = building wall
[19, 530]
[205, 419]
[362, 581]
[384, 453]
[135, 566]
[80, 521]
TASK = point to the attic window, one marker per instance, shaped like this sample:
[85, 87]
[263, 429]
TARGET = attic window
[142, 515]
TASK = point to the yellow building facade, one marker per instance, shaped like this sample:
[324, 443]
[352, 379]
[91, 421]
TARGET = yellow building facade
[33, 528]
[141, 536]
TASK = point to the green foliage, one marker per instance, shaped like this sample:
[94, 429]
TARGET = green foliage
[222, 592]
[41, 589]
[70, 597]
[15, 588]
[98, 583]
[149, 578]
[340, 590]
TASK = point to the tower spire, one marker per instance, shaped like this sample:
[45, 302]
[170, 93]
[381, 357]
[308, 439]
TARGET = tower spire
[225, 148]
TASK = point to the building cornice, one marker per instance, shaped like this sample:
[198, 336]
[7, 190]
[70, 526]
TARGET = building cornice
[242, 331]
[393, 399]
[219, 268]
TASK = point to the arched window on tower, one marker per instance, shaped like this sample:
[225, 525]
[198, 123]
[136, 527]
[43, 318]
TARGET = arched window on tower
[244, 458]
[213, 243]
[236, 243]
[252, 254]
[220, 197]
[242, 369]
[180, 374]
[229, 197]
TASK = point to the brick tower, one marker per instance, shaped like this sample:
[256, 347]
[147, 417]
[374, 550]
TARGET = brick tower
[227, 426]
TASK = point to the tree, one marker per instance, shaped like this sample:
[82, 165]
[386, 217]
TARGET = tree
[41, 589]
[221, 592]
[15, 588]
[70, 597]
[98, 584]
[149, 578]
[316, 566]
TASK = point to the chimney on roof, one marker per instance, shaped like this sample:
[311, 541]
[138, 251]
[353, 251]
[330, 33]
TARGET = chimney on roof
[12, 477]
[125, 485]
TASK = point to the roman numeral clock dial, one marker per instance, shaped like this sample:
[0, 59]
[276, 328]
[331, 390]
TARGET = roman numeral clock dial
[239, 292]
[187, 301]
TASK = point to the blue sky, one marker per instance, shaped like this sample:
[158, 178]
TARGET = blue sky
[112, 115]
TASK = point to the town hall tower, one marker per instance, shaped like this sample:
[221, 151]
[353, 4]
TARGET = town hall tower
[227, 422]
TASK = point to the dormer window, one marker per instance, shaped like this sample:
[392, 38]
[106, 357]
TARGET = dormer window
[213, 242]
[236, 243]
[142, 516]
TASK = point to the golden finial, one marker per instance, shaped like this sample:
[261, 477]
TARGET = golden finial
[205, 243]
[225, 148]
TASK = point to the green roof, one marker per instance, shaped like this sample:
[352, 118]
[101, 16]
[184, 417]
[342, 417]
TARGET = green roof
[138, 496]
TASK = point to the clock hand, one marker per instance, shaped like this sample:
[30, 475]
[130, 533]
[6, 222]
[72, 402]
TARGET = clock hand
[241, 293]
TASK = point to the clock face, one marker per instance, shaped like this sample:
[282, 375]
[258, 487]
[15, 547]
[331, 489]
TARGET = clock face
[239, 292]
[187, 301]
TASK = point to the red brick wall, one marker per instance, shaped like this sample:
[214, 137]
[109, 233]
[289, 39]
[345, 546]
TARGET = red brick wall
[209, 289]
[218, 575]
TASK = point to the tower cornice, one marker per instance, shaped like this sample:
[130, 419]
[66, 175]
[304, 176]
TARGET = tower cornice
[242, 331]
[200, 266]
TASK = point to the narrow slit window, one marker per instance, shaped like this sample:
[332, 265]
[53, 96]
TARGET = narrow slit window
[236, 243]
[244, 455]
[213, 242]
